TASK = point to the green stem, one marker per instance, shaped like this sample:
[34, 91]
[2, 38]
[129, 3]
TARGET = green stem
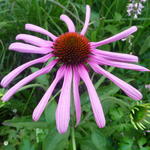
[31, 86]
[73, 139]
[28, 101]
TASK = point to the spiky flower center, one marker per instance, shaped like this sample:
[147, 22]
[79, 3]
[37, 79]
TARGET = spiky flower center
[72, 48]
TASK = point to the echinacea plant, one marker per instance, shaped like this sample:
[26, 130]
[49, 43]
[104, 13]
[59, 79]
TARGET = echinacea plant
[140, 115]
[73, 52]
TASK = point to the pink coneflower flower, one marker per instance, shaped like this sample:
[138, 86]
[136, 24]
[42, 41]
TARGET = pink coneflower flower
[73, 52]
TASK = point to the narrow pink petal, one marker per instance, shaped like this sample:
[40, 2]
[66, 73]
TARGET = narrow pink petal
[94, 99]
[43, 102]
[116, 37]
[87, 20]
[8, 78]
[32, 27]
[28, 79]
[128, 89]
[34, 40]
[104, 61]
[116, 56]
[76, 80]
[69, 23]
[27, 48]
[63, 108]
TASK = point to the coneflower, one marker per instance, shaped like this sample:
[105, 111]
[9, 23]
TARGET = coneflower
[73, 52]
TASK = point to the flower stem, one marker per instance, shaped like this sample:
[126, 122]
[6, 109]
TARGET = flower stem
[73, 139]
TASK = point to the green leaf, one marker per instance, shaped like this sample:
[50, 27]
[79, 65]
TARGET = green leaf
[116, 114]
[3, 24]
[87, 145]
[145, 148]
[96, 140]
[117, 16]
[2, 91]
[112, 29]
[93, 35]
[43, 79]
[50, 112]
[126, 143]
[145, 46]
[109, 90]
[9, 147]
[142, 141]
[109, 101]
[102, 79]
[99, 140]
[115, 128]
[25, 122]
[2, 104]
[26, 145]
[55, 140]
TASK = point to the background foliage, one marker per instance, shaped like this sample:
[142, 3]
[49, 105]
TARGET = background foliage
[19, 132]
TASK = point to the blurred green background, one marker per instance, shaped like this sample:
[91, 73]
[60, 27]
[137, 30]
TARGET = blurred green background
[124, 116]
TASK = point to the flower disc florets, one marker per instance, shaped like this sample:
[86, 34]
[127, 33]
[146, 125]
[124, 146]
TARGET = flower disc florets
[72, 48]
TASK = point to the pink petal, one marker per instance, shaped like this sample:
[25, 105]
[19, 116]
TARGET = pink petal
[63, 108]
[76, 80]
[43, 102]
[104, 61]
[8, 78]
[38, 29]
[94, 99]
[87, 20]
[128, 89]
[27, 79]
[26, 48]
[116, 37]
[34, 40]
[69, 23]
[116, 56]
